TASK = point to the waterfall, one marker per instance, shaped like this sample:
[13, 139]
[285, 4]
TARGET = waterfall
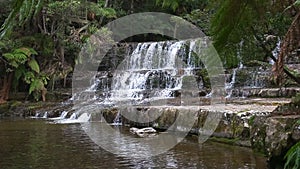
[45, 115]
[154, 71]
[276, 51]
[84, 117]
[89, 93]
[229, 86]
[63, 115]
[73, 116]
[118, 120]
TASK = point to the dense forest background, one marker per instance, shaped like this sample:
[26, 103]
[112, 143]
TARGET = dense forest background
[40, 39]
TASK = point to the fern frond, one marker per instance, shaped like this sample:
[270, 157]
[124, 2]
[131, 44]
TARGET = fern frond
[34, 65]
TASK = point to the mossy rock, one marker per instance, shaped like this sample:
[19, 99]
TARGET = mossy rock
[296, 100]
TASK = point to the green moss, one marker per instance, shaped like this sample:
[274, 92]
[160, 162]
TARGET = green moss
[34, 106]
[296, 100]
[204, 75]
[15, 103]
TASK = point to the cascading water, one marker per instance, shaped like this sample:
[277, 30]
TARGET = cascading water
[153, 71]
[117, 121]
[45, 115]
[73, 116]
[63, 115]
[229, 86]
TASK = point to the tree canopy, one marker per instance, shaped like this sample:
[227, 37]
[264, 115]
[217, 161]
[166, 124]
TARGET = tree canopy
[55, 30]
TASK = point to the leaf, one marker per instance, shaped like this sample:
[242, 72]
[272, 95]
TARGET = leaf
[19, 72]
[32, 51]
[8, 56]
[29, 76]
[34, 65]
[10, 21]
[14, 64]
[292, 157]
[20, 58]
[22, 11]
[296, 3]
[23, 50]
[36, 85]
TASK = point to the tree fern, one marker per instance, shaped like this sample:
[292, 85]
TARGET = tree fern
[34, 65]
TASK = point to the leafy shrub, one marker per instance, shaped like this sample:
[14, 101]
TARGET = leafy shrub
[23, 64]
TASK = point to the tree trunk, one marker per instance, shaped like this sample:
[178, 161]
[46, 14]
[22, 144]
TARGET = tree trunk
[4, 93]
[290, 43]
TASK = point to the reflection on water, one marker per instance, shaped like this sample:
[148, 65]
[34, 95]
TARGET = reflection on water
[38, 144]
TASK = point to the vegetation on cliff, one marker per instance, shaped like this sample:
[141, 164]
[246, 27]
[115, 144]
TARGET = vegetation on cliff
[56, 30]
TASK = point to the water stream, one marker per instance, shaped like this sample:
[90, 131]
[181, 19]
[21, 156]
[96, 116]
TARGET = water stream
[31, 143]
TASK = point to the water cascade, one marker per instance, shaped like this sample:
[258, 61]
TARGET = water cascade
[45, 115]
[229, 86]
[63, 115]
[73, 116]
[153, 71]
[117, 121]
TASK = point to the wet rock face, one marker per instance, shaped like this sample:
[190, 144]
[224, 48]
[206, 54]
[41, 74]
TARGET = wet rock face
[258, 134]
[279, 134]
[236, 121]
[273, 136]
[232, 126]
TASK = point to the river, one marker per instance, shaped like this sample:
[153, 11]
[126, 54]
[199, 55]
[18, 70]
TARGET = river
[36, 143]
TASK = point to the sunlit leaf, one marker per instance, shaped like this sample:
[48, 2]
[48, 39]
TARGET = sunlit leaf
[34, 65]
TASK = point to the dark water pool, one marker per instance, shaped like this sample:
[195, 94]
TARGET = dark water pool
[29, 143]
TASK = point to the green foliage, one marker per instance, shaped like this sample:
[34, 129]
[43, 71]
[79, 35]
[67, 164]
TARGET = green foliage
[201, 18]
[42, 43]
[205, 78]
[296, 100]
[18, 57]
[247, 23]
[173, 4]
[37, 83]
[64, 8]
[103, 38]
[182, 7]
[292, 157]
[22, 11]
[34, 65]
[251, 120]
[100, 10]
[23, 64]
[296, 3]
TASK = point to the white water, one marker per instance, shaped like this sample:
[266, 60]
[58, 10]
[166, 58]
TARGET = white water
[83, 118]
[45, 115]
[276, 51]
[117, 121]
[73, 116]
[153, 71]
[62, 116]
[229, 86]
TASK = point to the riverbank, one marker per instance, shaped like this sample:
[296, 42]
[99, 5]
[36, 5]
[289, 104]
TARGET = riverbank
[267, 125]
